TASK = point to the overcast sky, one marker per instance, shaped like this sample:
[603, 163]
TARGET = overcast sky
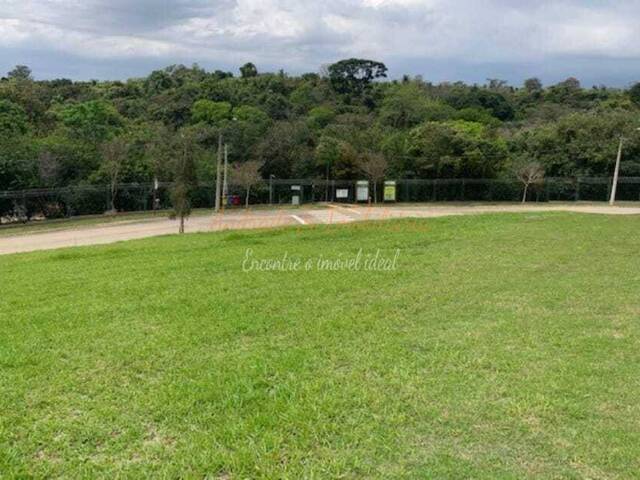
[471, 40]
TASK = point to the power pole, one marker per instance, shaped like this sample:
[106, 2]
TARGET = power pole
[616, 174]
[225, 184]
[218, 173]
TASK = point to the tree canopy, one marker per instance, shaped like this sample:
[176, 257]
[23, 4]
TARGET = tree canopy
[59, 132]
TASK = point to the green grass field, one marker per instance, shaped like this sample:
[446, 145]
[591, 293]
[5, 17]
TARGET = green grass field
[503, 346]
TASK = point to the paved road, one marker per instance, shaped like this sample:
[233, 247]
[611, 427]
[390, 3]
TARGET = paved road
[333, 214]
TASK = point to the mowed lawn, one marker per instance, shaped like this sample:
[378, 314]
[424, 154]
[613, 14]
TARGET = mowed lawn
[503, 346]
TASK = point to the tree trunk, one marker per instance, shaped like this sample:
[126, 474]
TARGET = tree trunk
[375, 192]
[246, 204]
[181, 223]
[524, 196]
[114, 192]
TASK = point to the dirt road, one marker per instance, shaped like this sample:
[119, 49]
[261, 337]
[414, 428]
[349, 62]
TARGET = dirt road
[331, 214]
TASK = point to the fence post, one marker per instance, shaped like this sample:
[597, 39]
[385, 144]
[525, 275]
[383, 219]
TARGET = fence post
[577, 197]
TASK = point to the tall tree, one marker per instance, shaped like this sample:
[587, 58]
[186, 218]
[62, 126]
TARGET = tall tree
[248, 70]
[375, 167]
[354, 75]
[48, 168]
[20, 72]
[529, 173]
[114, 154]
[327, 155]
[532, 85]
[246, 175]
[185, 177]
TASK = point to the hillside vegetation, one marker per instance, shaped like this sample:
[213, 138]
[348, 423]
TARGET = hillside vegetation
[60, 132]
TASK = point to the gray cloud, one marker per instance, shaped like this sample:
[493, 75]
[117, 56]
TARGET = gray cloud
[465, 39]
[145, 16]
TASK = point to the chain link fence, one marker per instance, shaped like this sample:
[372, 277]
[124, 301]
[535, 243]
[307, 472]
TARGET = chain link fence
[90, 200]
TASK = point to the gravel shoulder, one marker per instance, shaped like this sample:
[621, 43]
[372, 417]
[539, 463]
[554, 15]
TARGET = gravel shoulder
[270, 218]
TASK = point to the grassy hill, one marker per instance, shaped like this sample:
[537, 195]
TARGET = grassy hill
[502, 346]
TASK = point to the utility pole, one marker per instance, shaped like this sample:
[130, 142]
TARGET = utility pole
[225, 184]
[616, 174]
[218, 173]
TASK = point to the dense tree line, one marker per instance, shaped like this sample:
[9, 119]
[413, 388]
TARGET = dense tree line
[338, 124]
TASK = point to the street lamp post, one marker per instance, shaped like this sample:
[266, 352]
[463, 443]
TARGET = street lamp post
[616, 173]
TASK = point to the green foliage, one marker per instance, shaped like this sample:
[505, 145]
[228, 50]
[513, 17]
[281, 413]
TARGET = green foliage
[211, 113]
[305, 97]
[327, 154]
[18, 164]
[13, 119]
[248, 70]
[461, 98]
[20, 72]
[408, 104]
[320, 117]
[354, 76]
[477, 115]
[456, 149]
[247, 113]
[286, 150]
[533, 85]
[582, 144]
[634, 94]
[248, 128]
[282, 121]
[94, 121]
[396, 148]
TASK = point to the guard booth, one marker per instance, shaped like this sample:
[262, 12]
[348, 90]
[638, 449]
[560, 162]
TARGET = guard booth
[390, 191]
[362, 191]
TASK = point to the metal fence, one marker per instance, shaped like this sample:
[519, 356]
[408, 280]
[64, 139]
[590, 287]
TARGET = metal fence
[86, 200]
[453, 190]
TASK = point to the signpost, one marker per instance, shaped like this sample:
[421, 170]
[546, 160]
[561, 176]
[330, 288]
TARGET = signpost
[362, 191]
[390, 191]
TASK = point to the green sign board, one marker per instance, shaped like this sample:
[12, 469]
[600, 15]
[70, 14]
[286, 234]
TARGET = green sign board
[390, 191]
